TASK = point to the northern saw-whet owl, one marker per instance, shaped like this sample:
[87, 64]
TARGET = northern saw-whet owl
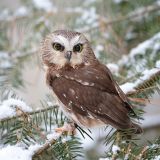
[85, 87]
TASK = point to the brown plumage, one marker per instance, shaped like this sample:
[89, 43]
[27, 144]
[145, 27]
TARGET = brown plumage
[85, 87]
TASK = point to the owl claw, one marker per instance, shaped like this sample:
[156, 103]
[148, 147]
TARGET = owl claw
[67, 128]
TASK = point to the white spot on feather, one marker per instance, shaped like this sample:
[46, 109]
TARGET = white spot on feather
[90, 116]
[67, 77]
[72, 91]
[82, 108]
[79, 81]
[64, 95]
[91, 84]
[85, 83]
[70, 103]
[57, 75]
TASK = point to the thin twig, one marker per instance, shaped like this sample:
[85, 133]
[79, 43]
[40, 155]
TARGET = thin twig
[140, 155]
[130, 93]
[29, 113]
[132, 15]
[47, 145]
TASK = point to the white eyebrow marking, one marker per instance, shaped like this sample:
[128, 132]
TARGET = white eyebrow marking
[62, 39]
[68, 44]
[74, 40]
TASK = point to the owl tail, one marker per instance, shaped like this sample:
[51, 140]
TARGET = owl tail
[136, 128]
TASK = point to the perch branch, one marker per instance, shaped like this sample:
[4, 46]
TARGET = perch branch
[47, 145]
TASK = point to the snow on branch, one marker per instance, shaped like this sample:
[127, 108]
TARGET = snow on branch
[146, 76]
[9, 108]
[52, 138]
[17, 152]
[133, 57]
[135, 15]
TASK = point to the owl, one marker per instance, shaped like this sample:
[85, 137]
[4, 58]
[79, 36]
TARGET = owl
[85, 88]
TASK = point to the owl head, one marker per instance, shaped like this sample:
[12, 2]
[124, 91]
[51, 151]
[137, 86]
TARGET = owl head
[63, 47]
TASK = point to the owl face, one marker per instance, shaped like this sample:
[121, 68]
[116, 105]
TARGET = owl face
[65, 47]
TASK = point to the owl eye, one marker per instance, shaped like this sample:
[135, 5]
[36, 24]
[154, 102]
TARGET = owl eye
[78, 48]
[57, 47]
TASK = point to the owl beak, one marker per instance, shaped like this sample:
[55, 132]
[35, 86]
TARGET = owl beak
[68, 55]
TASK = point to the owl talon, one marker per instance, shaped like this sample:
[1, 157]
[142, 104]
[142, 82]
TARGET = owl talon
[59, 130]
[67, 129]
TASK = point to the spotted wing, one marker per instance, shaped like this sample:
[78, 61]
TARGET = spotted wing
[90, 91]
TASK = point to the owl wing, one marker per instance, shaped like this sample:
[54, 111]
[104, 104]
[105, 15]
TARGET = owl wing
[100, 77]
[90, 92]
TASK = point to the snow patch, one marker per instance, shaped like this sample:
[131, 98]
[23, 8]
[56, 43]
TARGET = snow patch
[119, 1]
[129, 86]
[152, 120]
[7, 108]
[54, 135]
[50, 104]
[115, 149]
[113, 67]
[158, 64]
[45, 5]
[99, 48]
[88, 2]
[22, 11]
[141, 50]
[17, 153]
[157, 158]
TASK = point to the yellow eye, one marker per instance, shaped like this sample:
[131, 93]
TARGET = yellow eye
[78, 48]
[57, 47]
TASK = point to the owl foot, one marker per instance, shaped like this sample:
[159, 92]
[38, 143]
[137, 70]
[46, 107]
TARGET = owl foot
[67, 129]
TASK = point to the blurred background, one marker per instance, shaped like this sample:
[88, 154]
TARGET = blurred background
[114, 28]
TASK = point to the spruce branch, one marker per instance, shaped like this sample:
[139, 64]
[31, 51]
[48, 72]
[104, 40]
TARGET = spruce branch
[144, 84]
[47, 145]
[133, 15]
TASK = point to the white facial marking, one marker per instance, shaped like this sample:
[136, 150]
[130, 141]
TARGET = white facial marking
[58, 57]
[65, 42]
[74, 40]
